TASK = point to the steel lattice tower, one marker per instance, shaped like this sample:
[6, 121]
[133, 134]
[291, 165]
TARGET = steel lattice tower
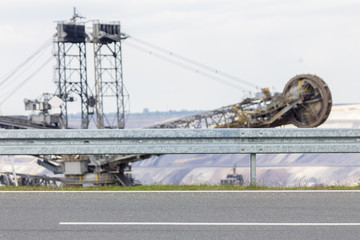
[109, 87]
[71, 70]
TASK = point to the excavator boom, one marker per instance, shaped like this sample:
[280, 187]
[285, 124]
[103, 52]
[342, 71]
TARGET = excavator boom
[305, 102]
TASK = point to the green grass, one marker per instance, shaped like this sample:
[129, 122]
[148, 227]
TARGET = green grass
[156, 187]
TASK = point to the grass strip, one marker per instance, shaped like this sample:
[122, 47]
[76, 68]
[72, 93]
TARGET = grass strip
[157, 187]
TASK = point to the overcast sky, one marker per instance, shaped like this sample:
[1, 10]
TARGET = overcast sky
[265, 42]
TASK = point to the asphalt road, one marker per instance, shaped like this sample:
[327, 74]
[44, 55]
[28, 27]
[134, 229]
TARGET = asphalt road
[184, 215]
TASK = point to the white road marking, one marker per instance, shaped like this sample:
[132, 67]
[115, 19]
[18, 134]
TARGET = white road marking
[205, 224]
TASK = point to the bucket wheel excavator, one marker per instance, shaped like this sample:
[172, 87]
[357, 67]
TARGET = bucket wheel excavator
[305, 101]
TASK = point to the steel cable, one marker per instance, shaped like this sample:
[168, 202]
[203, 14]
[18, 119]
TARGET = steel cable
[188, 67]
[5, 78]
[22, 83]
[201, 65]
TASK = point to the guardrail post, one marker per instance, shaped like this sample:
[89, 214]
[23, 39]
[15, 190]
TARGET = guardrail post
[252, 169]
[11, 160]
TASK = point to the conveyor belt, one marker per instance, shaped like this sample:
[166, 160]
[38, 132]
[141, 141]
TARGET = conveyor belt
[19, 122]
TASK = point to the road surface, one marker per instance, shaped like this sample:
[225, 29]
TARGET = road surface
[180, 215]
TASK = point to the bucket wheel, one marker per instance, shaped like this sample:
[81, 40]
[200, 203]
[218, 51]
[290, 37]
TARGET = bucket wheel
[316, 102]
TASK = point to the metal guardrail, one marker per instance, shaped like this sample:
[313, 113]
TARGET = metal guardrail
[180, 141]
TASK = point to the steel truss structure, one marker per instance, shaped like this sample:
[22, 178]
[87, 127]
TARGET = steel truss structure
[71, 71]
[109, 86]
